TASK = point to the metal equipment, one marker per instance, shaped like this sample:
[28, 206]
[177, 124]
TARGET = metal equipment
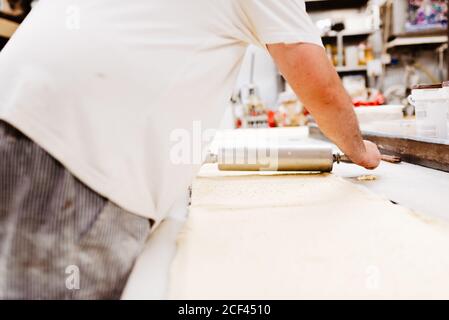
[310, 158]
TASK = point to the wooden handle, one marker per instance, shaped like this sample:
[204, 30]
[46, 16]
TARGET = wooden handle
[391, 159]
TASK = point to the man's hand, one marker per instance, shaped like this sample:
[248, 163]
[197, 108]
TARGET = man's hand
[370, 159]
[313, 78]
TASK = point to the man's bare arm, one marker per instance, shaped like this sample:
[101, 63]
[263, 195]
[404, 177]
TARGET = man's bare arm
[309, 72]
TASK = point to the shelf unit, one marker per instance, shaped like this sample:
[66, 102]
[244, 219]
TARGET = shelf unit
[346, 69]
[317, 5]
[333, 34]
[406, 39]
[343, 38]
[416, 40]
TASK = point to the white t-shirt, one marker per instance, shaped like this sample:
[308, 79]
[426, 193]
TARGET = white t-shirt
[110, 87]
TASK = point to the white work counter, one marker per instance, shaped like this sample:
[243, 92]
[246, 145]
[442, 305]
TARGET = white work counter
[419, 189]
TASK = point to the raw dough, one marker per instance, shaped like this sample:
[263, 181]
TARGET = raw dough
[302, 237]
[367, 177]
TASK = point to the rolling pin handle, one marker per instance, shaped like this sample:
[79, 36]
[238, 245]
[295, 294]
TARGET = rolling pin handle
[339, 158]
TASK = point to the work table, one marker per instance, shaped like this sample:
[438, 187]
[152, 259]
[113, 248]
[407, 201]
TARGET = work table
[418, 188]
[397, 237]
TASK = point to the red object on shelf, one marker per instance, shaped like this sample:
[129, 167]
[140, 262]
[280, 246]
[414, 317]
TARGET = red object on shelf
[271, 119]
[378, 101]
[238, 123]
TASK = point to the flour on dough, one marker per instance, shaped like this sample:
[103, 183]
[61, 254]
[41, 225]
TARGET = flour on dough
[304, 237]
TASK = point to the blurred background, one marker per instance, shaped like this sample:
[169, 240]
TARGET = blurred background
[381, 49]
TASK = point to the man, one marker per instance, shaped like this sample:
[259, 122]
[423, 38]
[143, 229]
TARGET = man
[91, 91]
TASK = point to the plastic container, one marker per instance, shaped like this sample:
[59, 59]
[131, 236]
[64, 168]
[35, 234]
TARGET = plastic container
[367, 115]
[432, 111]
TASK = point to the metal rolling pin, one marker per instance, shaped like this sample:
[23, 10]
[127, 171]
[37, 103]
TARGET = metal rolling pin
[311, 158]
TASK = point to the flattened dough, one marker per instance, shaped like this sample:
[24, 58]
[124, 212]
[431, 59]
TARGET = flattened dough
[304, 237]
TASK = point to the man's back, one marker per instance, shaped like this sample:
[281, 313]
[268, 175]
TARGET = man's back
[112, 86]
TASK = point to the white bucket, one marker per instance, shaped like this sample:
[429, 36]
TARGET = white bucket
[432, 112]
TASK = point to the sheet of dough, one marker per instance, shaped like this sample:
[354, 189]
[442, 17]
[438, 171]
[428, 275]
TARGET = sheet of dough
[304, 237]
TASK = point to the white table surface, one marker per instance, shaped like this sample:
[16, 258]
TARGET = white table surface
[420, 189]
